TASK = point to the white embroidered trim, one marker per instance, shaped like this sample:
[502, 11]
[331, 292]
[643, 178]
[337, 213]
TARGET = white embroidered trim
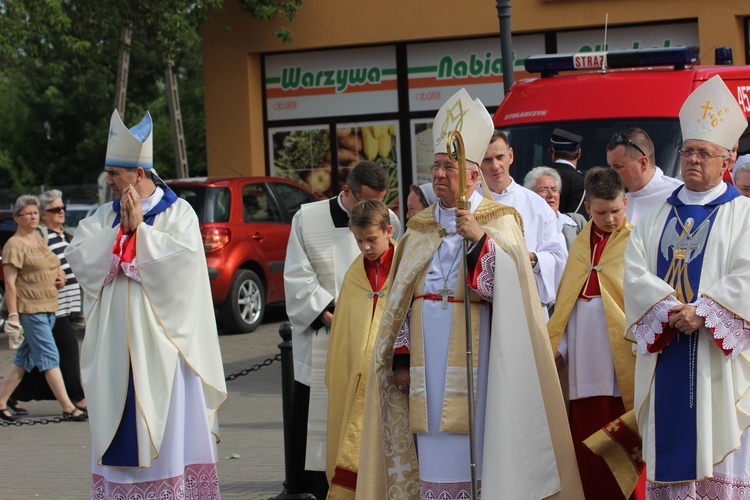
[486, 278]
[131, 270]
[733, 331]
[114, 268]
[645, 331]
[403, 339]
[719, 487]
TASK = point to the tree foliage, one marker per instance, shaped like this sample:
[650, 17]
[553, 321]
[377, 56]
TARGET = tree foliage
[58, 62]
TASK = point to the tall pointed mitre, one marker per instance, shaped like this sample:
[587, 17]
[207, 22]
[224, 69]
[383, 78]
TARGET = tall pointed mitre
[711, 113]
[130, 148]
[470, 118]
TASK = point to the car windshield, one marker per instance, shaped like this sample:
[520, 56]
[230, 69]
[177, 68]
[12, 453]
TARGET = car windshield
[211, 204]
[75, 215]
[531, 143]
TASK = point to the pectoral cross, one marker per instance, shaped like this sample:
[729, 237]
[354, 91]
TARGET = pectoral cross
[682, 247]
[445, 292]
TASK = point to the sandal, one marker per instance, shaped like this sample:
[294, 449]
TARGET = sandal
[5, 415]
[17, 410]
[72, 417]
[84, 409]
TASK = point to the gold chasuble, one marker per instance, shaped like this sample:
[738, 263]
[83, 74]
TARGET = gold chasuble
[390, 417]
[610, 272]
[353, 332]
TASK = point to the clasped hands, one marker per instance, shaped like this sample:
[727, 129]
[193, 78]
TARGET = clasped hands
[684, 318]
[131, 213]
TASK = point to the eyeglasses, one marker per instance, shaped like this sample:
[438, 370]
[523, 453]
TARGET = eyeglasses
[626, 141]
[56, 210]
[445, 168]
[24, 214]
[546, 191]
[703, 155]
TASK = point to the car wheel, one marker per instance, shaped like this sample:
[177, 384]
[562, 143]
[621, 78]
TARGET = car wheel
[243, 309]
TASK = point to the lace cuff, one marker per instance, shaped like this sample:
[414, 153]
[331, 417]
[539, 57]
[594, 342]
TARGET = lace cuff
[652, 324]
[131, 270]
[731, 333]
[486, 277]
[403, 339]
[123, 257]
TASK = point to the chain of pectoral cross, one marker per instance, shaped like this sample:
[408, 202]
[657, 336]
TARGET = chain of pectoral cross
[446, 292]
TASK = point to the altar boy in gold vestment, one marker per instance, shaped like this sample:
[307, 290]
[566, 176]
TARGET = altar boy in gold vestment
[353, 331]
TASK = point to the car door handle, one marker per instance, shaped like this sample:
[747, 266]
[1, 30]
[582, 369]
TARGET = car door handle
[257, 236]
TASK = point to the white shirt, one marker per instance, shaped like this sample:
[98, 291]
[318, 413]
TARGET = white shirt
[650, 196]
[543, 235]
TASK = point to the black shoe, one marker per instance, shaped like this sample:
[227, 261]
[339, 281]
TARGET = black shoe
[5, 415]
[13, 406]
[72, 417]
[84, 409]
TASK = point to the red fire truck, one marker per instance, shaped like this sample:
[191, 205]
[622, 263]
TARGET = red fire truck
[597, 94]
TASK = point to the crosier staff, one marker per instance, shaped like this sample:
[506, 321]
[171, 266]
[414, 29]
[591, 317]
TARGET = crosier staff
[454, 144]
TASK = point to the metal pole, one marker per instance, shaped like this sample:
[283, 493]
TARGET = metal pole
[456, 150]
[470, 377]
[287, 386]
[506, 45]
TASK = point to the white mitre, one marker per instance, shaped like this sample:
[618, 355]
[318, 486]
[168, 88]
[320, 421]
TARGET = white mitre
[711, 113]
[130, 148]
[470, 119]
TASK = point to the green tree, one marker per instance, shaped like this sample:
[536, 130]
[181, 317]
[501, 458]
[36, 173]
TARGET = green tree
[58, 62]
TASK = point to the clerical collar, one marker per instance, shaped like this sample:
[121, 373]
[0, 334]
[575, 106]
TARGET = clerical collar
[701, 198]
[339, 214]
[148, 203]
[341, 204]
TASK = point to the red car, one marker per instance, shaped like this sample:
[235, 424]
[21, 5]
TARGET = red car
[245, 224]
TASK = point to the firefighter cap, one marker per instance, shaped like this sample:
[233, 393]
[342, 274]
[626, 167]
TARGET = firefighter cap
[130, 148]
[711, 113]
[470, 118]
[564, 140]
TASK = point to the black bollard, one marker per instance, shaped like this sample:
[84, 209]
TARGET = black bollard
[287, 387]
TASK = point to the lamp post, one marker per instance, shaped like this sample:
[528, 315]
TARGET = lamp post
[506, 45]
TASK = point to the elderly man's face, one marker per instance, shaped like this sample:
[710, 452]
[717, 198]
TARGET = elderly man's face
[701, 174]
[445, 179]
[742, 182]
[546, 187]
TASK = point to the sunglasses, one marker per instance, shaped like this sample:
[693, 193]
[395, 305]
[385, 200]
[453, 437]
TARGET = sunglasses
[621, 139]
[56, 210]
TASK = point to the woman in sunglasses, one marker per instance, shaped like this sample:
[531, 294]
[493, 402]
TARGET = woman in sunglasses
[34, 385]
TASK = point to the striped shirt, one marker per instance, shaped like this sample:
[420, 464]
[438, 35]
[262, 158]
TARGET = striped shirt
[69, 297]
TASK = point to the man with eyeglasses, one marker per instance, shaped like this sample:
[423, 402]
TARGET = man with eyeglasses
[631, 154]
[566, 151]
[320, 250]
[543, 235]
[416, 396]
[687, 282]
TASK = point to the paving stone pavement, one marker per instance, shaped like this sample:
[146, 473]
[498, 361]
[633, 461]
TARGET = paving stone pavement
[53, 461]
